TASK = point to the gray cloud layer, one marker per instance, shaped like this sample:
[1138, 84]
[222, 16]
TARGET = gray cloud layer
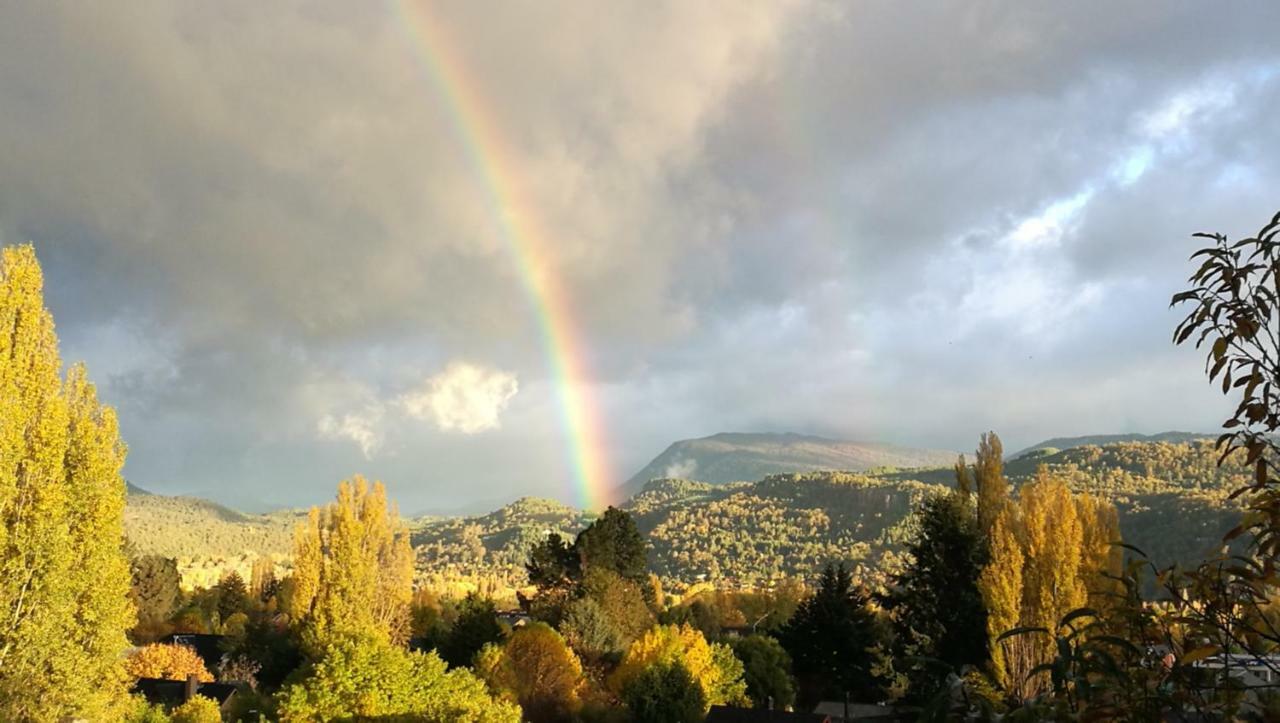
[261, 230]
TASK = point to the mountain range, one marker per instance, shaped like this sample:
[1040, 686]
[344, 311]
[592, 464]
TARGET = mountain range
[1172, 496]
[740, 457]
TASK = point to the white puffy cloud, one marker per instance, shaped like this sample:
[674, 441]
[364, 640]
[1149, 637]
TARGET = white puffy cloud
[463, 398]
[363, 427]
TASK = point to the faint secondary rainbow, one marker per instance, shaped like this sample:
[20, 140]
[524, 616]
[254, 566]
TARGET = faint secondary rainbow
[529, 246]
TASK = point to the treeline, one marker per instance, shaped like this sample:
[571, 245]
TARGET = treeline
[747, 535]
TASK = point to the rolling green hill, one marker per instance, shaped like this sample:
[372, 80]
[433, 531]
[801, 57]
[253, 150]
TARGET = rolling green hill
[192, 527]
[740, 457]
[1172, 499]
[1097, 440]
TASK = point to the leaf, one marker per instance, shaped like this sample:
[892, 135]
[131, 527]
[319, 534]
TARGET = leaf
[1077, 614]
[1021, 631]
[1198, 654]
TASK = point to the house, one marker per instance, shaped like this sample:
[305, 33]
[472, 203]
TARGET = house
[171, 693]
[514, 618]
[208, 647]
[725, 714]
[841, 712]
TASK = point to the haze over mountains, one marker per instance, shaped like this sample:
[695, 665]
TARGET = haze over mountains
[1059, 443]
[744, 457]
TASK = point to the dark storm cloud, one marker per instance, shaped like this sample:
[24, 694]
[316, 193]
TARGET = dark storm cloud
[261, 228]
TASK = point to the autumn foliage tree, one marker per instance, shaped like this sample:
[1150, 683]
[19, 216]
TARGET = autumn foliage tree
[712, 666]
[350, 598]
[168, 661]
[536, 669]
[370, 679]
[1046, 550]
[64, 579]
[353, 569]
[989, 479]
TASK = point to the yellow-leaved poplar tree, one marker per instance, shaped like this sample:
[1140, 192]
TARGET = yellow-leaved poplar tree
[1001, 586]
[989, 479]
[64, 580]
[1100, 528]
[1046, 550]
[353, 569]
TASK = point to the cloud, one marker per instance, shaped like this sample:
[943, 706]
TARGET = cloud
[260, 224]
[463, 398]
[363, 428]
[681, 469]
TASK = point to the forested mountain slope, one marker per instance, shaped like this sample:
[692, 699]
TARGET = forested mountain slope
[193, 527]
[734, 457]
[1172, 499]
[1058, 444]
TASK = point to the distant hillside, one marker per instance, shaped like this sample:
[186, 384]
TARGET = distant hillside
[193, 527]
[1098, 440]
[737, 457]
[1172, 500]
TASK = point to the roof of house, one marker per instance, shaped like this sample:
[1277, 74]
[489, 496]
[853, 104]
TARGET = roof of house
[173, 692]
[860, 711]
[725, 714]
[208, 647]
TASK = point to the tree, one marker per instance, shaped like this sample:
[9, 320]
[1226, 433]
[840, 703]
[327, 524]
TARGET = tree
[1235, 314]
[614, 543]
[197, 709]
[621, 600]
[168, 661]
[155, 590]
[665, 693]
[537, 670]
[964, 481]
[353, 569]
[766, 671]
[1040, 570]
[993, 489]
[832, 639]
[1001, 586]
[728, 686]
[354, 678]
[553, 564]
[936, 604]
[232, 594]
[64, 579]
[719, 678]
[589, 631]
[555, 569]
[476, 626]
[272, 647]
[262, 579]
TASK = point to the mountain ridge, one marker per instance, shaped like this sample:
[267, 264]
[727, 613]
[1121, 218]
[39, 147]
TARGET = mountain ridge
[745, 456]
[1101, 440]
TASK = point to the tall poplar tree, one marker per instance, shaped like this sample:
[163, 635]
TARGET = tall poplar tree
[1044, 551]
[1001, 586]
[993, 490]
[64, 579]
[353, 569]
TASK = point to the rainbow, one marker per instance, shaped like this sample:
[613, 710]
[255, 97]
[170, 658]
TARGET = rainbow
[528, 244]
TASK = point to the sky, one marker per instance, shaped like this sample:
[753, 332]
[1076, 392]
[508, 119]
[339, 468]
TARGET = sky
[292, 241]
